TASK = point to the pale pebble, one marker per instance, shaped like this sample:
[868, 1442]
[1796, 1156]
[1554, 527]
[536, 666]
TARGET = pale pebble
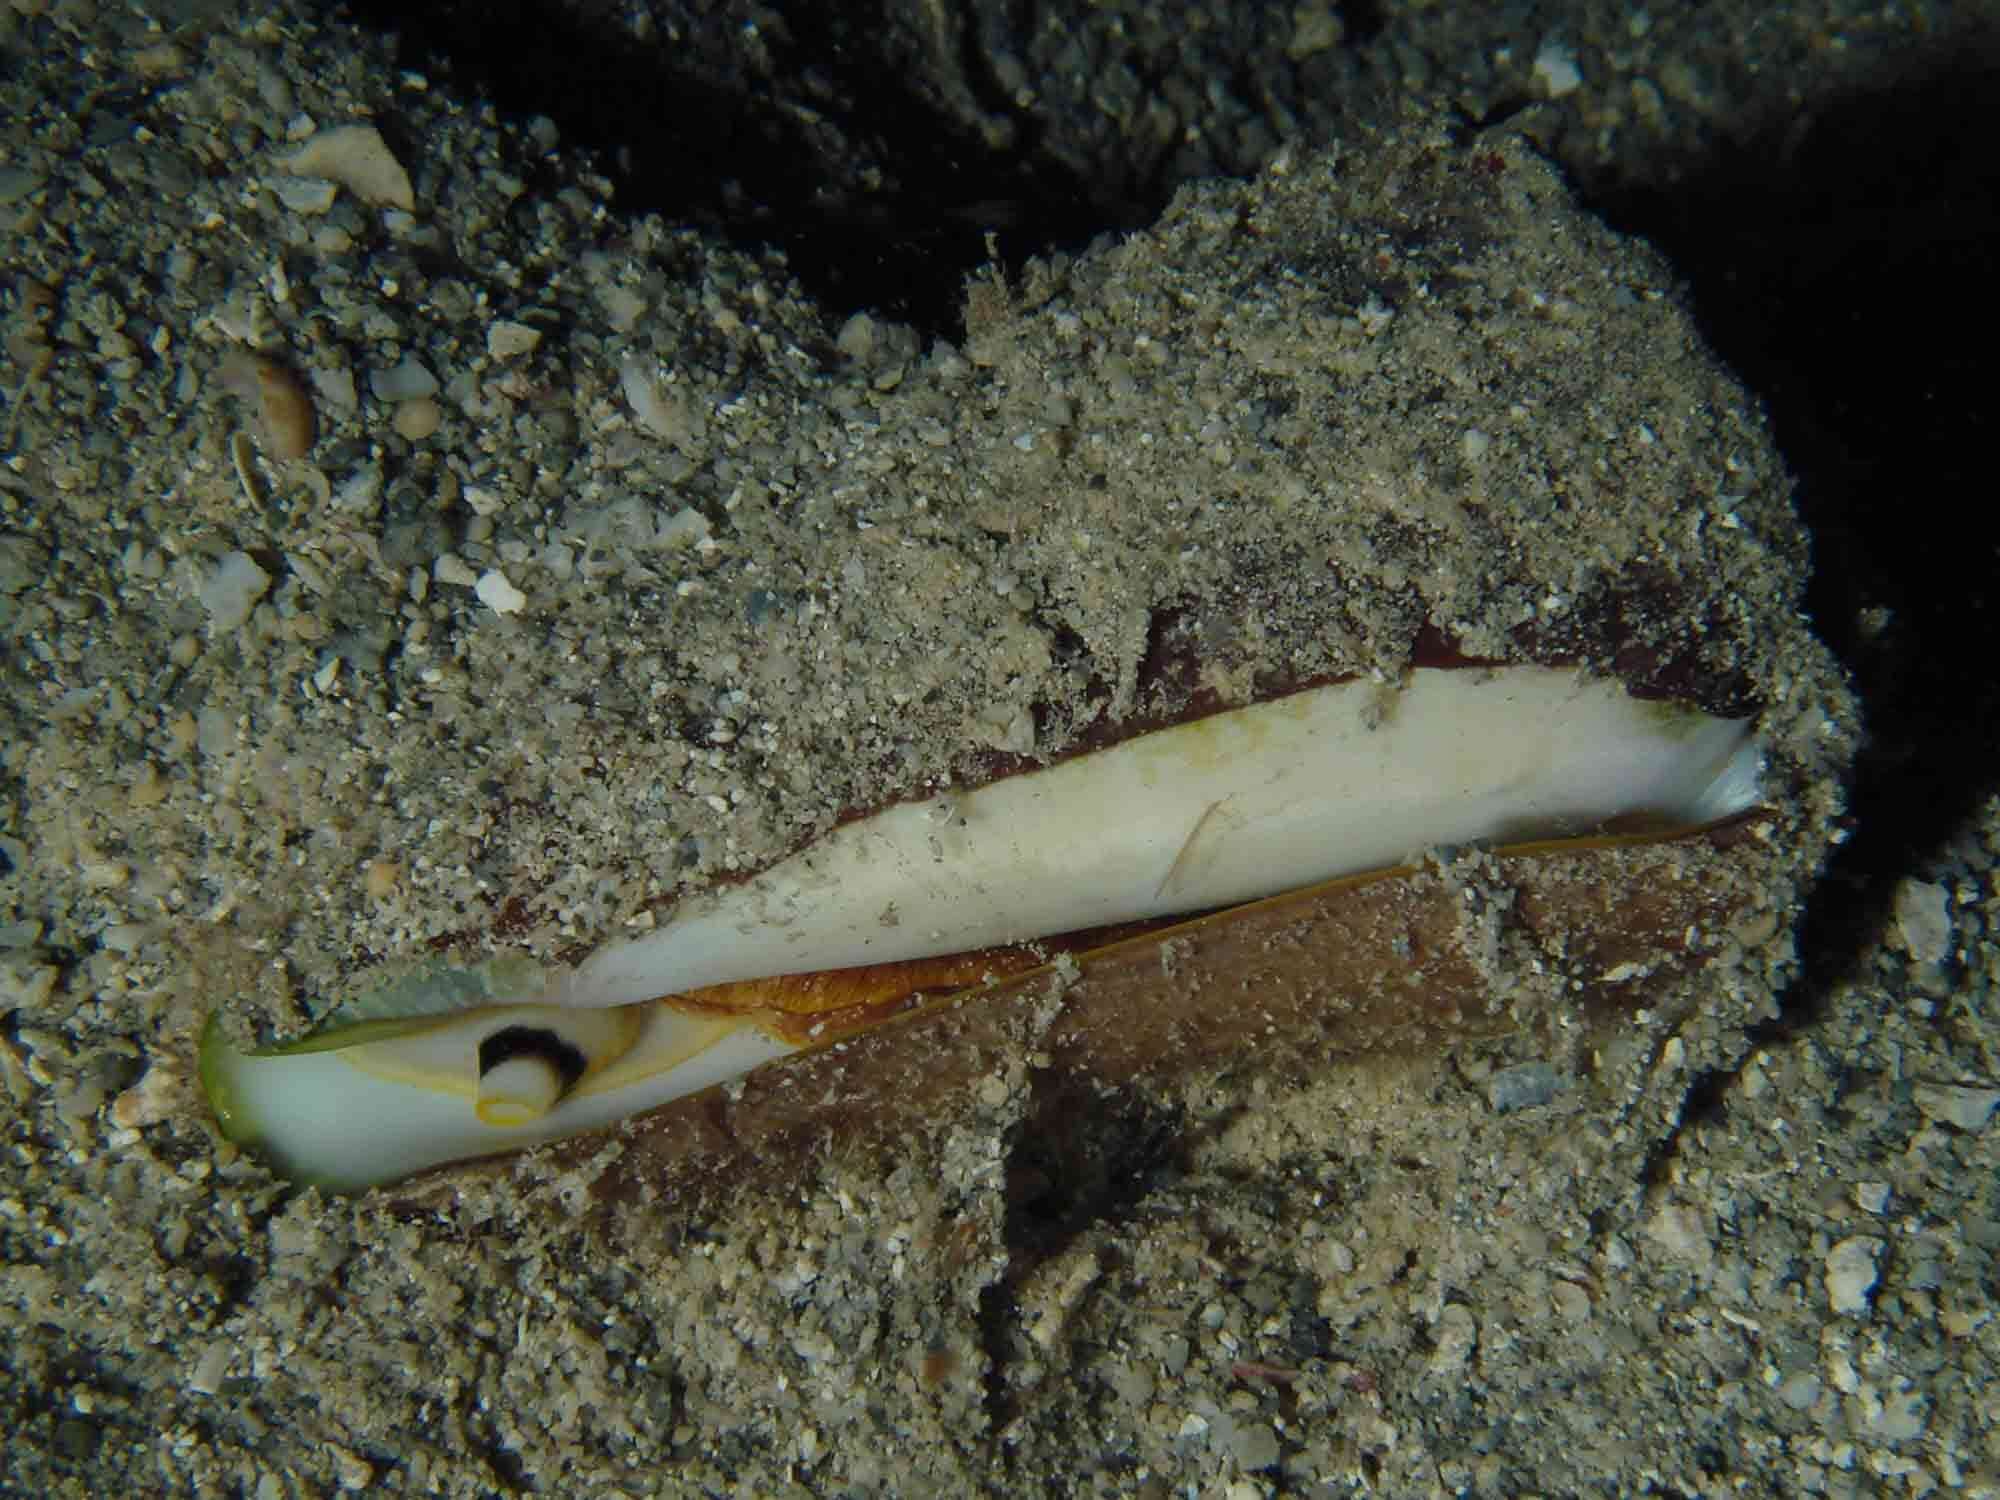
[451, 568]
[418, 419]
[507, 340]
[335, 386]
[306, 195]
[498, 594]
[407, 380]
[358, 159]
[1923, 920]
[232, 590]
[1850, 1274]
[1957, 1105]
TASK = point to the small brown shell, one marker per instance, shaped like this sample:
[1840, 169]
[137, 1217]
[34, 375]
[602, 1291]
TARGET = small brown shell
[283, 404]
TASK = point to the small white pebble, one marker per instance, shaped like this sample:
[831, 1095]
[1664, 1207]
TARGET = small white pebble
[685, 527]
[105, 874]
[1571, 1302]
[360, 494]
[642, 392]
[1455, 1337]
[418, 419]
[505, 340]
[147, 1102]
[1682, 1231]
[356, 157]
[305, 195]
[355, 1472]
[856, 338]
[406, 381]
[1923, 920]
[453, 569]
[232, 591]
[1953, 1104]
[335, 386]
[1556, 70]
[128, 937]
[1896, 1417]
[623, 306]
[497, 594]
[1850, 1274]
[205, 1379]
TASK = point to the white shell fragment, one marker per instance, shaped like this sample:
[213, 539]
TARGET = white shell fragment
[358, 159]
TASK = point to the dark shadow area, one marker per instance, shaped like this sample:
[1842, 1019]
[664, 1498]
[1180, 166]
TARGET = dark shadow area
[1704, 1102]
[812, 133]
[1082, 1157]
[1846, 272]
[1079, 1158]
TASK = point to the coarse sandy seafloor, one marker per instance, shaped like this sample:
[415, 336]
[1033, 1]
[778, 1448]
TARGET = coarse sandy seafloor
[268, 732]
